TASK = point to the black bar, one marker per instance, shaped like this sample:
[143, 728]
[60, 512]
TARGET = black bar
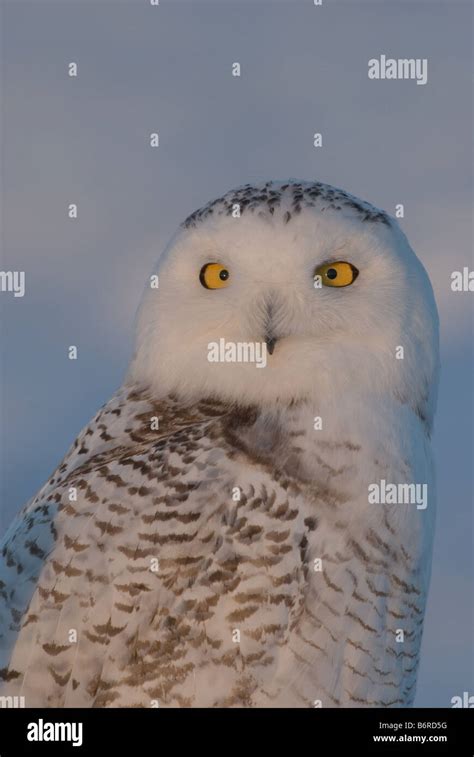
[319, 731]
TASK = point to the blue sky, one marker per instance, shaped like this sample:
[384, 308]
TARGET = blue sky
[168, 69]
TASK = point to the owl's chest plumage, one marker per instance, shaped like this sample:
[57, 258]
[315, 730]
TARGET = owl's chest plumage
[232, 562]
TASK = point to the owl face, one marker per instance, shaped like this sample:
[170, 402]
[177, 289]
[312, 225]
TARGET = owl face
[329, 293]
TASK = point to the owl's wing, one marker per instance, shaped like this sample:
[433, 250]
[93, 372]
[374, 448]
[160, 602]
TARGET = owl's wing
[79, 561]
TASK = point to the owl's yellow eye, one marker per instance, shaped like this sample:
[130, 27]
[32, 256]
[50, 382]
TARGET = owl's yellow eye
[337, 274]
[214, 276]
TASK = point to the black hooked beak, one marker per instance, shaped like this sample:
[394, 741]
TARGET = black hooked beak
[271, 308]
[270, 342]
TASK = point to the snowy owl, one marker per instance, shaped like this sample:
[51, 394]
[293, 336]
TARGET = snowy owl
[248, 521]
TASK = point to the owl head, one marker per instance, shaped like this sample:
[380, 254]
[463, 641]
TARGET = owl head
[285, 291]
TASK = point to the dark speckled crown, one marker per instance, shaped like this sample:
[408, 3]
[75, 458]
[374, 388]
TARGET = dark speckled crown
[286, 199]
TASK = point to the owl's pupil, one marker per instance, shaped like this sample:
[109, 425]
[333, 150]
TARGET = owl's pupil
[224, 275]
[331, 273]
